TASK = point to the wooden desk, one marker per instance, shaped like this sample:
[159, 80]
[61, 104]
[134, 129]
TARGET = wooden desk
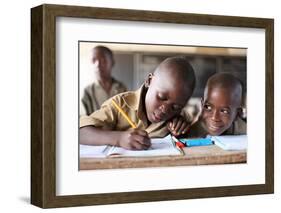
[203, 155]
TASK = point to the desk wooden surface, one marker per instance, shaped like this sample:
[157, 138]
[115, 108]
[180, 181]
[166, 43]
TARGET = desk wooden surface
[203, 155]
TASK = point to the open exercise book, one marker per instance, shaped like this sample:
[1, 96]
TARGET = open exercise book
[231, 142]
[159, 147]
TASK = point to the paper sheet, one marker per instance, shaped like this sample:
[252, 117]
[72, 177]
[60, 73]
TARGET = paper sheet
[159, 147]
[231, 142]
[87, 151]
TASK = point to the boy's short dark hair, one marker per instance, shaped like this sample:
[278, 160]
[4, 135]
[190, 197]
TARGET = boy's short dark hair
[106, 50]
[185, 70]
[227, 81]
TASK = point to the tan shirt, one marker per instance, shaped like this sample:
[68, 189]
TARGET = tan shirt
[109, 118]
[94, 95]
[238, 127]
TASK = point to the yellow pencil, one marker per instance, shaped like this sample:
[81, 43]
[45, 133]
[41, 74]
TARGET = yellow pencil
[124, 114]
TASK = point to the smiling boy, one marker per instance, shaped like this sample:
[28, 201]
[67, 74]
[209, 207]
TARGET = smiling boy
[221, 106]
[158, 102]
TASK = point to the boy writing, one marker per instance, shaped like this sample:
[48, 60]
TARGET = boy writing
[221, 106]
[157, 103]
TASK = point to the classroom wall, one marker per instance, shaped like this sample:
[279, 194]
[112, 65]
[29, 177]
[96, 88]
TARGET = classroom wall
[15, 107]
[134, 62]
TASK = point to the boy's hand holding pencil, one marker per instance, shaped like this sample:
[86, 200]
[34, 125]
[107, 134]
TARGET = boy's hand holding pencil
[134, 139]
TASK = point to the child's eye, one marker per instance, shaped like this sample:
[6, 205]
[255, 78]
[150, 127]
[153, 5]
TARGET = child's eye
[207, 107]
[162, 98]
[225, 111]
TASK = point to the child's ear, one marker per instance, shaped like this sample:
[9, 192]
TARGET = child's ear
[148, 80]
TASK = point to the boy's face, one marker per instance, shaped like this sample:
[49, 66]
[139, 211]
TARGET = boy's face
[219, 110]
[102, 63]
[165, 97]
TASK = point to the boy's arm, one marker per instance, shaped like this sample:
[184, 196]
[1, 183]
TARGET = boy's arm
[178, 125]
[131, 139]
[90, 135]
[100, 129]
[97, 128]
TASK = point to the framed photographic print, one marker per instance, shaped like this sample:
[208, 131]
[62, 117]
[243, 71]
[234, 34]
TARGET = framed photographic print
[133, 63]
[75, 50]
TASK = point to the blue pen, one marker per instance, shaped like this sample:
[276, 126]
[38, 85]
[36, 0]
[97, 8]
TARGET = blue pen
[197, 142]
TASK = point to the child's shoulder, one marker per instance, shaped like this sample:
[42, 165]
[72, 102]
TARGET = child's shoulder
[118, 85]
[240, 126]
[125, 99]
[89, 88]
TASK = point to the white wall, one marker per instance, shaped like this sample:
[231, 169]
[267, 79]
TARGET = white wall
[15, 107]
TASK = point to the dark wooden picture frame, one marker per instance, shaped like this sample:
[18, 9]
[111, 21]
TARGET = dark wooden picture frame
[43, 105]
